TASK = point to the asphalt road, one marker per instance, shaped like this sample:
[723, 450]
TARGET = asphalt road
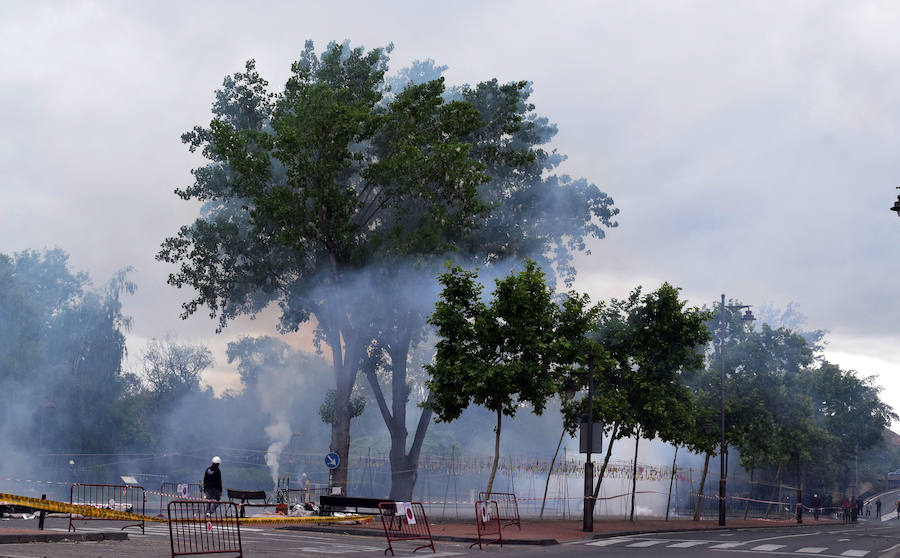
[836, 541]
[865, 540]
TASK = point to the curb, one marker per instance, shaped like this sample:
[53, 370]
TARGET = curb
[446, 538]
[20, 538]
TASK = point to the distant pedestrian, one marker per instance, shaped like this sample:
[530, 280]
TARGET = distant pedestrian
[878, 508]
[868, 510]
[212, 484]
[898, 509]
[816, 506]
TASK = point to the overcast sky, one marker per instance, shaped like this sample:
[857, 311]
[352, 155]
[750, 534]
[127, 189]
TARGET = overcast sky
[752, 147]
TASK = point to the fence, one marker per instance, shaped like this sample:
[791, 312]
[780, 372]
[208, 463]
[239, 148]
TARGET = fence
[405, 523]
[116, 497]
[507, 506]
[204, 528]
[169, 491]
[304, 495]
[487, 519]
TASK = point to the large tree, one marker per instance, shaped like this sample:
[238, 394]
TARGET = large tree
[334, 200]
[310, 186]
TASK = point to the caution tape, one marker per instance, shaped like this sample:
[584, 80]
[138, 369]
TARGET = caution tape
[85, 511]
[91, 511]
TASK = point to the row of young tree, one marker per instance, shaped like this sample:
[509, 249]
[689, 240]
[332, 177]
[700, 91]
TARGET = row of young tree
[658, 368]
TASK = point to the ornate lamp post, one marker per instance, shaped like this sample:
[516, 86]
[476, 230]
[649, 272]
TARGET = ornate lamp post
[896, 206]
[747, 317]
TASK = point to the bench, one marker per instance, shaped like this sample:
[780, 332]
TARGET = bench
[330, 504]
[246, 496]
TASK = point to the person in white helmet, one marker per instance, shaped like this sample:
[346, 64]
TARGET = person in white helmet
[212, 484]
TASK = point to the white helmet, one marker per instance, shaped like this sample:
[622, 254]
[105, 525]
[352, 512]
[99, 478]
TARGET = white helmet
[217, 460]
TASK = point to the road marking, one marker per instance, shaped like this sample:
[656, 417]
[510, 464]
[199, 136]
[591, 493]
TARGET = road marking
[854, 553]
[607, 542]
[646, 543]
[768, 547]
[728, 545]
[812, 549]
[687, 544]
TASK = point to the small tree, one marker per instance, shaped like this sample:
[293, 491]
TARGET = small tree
[504, 354]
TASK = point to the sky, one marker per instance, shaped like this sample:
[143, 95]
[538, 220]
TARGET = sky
[752, 148]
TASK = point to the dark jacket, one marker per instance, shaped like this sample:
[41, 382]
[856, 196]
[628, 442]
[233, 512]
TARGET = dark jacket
[212, 478]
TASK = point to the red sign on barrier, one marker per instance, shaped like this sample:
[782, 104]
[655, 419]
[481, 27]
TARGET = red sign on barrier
[507, 505]
[405, 521]
[487, 521]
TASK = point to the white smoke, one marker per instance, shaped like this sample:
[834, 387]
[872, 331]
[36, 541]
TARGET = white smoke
[279, 434]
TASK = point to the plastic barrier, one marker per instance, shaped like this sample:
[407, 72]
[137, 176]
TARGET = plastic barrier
[197, 528]
[169, 491]
[507, 505]
[129, 499]
[487, 519]
[405, 521]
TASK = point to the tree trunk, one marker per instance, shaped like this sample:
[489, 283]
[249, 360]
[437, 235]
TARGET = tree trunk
[550, 471]
[637, 440]
[612, 438]
[490, 485]
[700, 491]
[404, 465]
[344, 360]
[750, 495]
[774, 491]
[672, 481]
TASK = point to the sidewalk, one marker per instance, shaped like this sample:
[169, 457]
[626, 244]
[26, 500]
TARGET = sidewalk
[13, 535]
[537, 532]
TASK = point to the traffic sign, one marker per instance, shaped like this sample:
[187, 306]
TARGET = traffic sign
[332, 460]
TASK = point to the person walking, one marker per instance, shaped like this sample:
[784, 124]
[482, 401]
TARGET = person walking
[898, 509]
[816, 506]
[878, 508]
[212, 484]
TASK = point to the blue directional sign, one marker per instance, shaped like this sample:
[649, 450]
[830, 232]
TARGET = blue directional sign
[332, 460]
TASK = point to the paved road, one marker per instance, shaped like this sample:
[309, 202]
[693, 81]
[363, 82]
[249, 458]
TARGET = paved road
[874, 541]
[262, 542]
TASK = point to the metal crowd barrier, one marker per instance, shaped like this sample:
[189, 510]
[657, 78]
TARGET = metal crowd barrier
[507, 505]
[116, 497]
[178, 490]
[209, 527]
[487, 519]
[406, 523]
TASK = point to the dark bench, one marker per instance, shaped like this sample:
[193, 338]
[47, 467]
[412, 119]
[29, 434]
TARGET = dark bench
[247, 496]
[330, 504]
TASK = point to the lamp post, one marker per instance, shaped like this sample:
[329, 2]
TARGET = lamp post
[747, 317]
[896, 206]
[588, 524]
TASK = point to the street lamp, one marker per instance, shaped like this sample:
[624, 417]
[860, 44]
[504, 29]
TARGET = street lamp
[896, 206]
[570, 389]
[747, 316]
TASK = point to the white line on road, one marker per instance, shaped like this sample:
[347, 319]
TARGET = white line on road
[607, 542]
[687, 544]
[768, 547]
[728, 545]
[812, 549]
[645, 544]
[854, 553]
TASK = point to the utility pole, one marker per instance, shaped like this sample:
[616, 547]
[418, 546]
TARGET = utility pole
[722, 478]
[588, 464]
